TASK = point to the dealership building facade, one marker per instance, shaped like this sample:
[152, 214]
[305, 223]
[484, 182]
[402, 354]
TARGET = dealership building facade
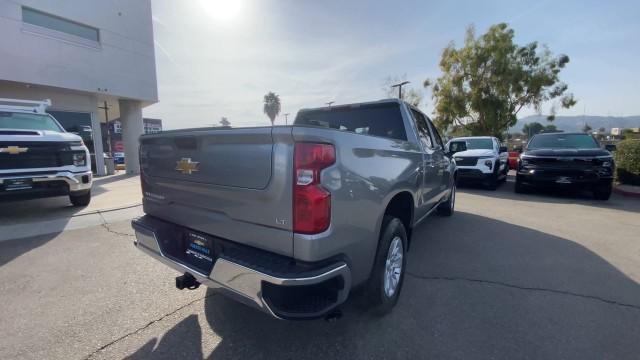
[82, 54]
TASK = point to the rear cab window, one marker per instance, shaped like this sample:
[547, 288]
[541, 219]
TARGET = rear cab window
[384, 120]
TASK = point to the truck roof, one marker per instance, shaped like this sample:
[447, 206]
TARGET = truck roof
[562, 133]
[358, 104]
[472, 137]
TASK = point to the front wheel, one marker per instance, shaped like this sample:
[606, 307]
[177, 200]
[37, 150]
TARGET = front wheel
[384, 285]
[602, 192]
[492, 181]
[80, 200]
[506, 172]
[520, 187]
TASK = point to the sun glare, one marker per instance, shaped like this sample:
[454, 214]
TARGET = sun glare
[222, 10]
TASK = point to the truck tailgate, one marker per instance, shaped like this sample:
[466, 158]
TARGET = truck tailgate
[230, 183]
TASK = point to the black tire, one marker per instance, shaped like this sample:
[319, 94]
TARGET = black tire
[506, 172]
[492, 181]
[602, 192]
[80, 200]
[376, 296]
[520, 188]
[447, 207]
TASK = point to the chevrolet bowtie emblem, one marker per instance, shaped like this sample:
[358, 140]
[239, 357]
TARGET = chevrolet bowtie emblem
[186, 166]
[13, 150]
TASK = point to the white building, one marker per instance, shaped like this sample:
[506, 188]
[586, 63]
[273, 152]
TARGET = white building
[79, 54]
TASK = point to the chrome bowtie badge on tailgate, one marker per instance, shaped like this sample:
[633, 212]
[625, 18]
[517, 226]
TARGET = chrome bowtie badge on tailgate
[186, 166]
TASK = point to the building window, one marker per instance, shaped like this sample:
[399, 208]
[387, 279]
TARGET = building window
[117, 127]
[52, 22]
[151, 129]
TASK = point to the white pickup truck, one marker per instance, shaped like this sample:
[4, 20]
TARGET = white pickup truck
[38, 158]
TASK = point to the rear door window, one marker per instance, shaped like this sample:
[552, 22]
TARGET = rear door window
[384, 120]
[423, 129]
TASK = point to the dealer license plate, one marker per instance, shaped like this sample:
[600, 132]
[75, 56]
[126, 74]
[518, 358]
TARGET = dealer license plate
[17, 184]
[563, 180]
[199, 249]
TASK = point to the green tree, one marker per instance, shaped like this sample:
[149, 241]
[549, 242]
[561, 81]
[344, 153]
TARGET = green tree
[531, 129]
[224, 121]
[627, 134]
[410, 95]
[458, 131]
[271, 106]
[486, 82]
[551, 128]
[586, 128]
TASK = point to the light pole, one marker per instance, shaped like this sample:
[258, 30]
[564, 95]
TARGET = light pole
[399, 86]
[286, 116]
[106, 117]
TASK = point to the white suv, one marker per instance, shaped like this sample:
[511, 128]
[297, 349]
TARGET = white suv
[38, 158]
[480, 158]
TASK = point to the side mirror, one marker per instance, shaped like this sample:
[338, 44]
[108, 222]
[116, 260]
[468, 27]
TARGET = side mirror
[503, 149]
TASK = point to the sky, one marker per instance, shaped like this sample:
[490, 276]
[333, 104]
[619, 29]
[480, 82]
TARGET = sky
[218, 58]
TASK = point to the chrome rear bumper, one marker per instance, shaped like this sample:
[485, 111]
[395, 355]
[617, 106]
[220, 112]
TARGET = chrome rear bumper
[246, 284]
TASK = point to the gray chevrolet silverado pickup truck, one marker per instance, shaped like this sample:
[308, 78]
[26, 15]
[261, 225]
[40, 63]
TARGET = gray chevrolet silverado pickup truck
[290, 219]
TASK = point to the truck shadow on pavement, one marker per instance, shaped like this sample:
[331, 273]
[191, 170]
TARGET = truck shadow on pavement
[475, 288]
[11, 249]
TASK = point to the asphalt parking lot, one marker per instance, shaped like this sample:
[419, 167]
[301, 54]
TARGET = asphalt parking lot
[509, 276]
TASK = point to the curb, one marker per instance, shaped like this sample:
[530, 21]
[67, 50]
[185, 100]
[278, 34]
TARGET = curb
[620, 191]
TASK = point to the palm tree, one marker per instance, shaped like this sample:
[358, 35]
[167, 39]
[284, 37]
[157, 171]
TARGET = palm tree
[271, 106]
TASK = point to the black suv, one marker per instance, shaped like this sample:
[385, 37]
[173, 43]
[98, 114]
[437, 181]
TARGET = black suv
[566, 160]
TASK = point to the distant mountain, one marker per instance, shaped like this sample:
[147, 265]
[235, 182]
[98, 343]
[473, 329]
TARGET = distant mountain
[576, 123]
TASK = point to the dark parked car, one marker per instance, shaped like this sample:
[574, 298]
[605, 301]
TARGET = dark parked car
[566, 160]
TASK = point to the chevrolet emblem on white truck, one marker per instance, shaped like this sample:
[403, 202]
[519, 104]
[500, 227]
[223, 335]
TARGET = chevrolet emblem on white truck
[13, 150]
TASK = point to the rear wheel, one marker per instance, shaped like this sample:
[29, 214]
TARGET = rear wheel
[447, 207]
[80, 199]
[602, 192]
[385, 283]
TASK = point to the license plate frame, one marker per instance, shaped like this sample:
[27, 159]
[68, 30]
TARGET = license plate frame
[18, 184]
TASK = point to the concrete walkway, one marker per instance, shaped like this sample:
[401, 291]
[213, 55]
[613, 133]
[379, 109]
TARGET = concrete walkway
[116, 197]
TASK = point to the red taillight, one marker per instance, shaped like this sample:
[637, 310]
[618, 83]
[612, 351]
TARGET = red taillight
[311, 203]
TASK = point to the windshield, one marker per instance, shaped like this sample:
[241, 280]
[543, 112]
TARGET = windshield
[563, 141]
[13, 120]
[477, 144]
